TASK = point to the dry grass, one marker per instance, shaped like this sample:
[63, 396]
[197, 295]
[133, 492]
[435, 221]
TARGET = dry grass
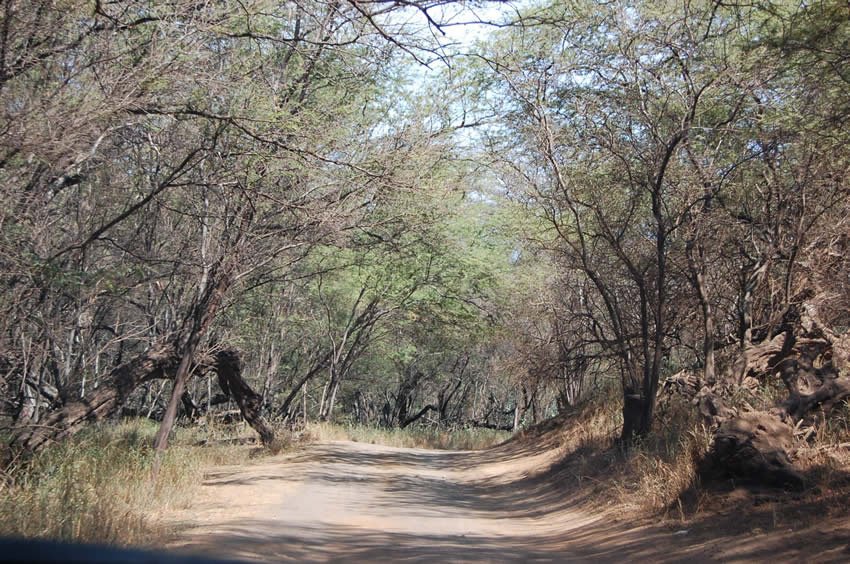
[411, 437]
[660, 474]
[650, 477]
[664, 466]
[98, 487]
[825, 456]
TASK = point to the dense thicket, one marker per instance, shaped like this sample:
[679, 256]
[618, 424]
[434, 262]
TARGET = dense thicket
[187, 177]
[686, 165]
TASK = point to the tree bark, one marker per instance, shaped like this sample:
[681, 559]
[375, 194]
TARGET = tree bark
[214, 284]
[810, 360]
[160, 442]
[192, 409]
[486, 425]
[229, 368]
[284, 410]
[99, 404]
[696, 264]
[160, 361]
[330, 406]
[635, 423]
[418, 416]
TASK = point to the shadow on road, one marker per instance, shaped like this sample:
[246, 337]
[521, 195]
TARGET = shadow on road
[259, 540]
[369, 502]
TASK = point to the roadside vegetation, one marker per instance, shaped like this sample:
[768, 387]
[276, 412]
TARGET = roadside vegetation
[664, 475]
[411, 437]
[99, 486]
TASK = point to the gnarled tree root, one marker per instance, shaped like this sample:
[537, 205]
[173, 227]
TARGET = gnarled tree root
[812, 362]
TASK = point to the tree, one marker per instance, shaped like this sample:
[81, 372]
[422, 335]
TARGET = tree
[609, 102]
[160, 159]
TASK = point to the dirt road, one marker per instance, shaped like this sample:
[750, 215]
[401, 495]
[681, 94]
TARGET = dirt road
[343, 501]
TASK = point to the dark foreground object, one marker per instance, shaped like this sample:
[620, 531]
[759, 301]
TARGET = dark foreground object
[38, 551]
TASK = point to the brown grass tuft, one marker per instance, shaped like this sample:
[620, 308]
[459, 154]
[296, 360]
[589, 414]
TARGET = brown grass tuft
[648, 478]
[98, 486]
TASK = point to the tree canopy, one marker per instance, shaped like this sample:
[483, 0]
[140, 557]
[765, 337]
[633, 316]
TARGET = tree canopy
[349, 214]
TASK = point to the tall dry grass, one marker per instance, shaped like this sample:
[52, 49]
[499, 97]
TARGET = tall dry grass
[824, 452]
[98, 486]
[461, 438]
[661, 467]
[651, 475]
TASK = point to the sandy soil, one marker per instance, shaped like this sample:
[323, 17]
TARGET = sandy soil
[343, 501]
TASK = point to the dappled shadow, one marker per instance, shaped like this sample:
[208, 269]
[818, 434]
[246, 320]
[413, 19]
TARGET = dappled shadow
[761, 522]
[421, 487]
[336, 453]
[599, 542]
[532, 495]
[528, 497]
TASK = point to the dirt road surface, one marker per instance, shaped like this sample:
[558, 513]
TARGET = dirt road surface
[354, 502]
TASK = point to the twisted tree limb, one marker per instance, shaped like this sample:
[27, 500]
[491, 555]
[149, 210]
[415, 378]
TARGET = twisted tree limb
[813, 364]
[228, 366]
[155, 363]
[158, 362]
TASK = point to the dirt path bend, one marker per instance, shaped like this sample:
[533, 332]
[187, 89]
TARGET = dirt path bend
[354, 502]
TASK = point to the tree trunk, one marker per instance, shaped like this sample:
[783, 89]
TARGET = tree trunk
[184, 369]
[29, 404]
[330, 405]
[749, 284]
[324, 398]
[637, 402]
[229, 368]
[215, 282]
[635, 423]
[99, 404]
[192, 409]
[284, 410]
[419, 415]
[697, 268]
[304, 404]
[487, 425]
[158, 362]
